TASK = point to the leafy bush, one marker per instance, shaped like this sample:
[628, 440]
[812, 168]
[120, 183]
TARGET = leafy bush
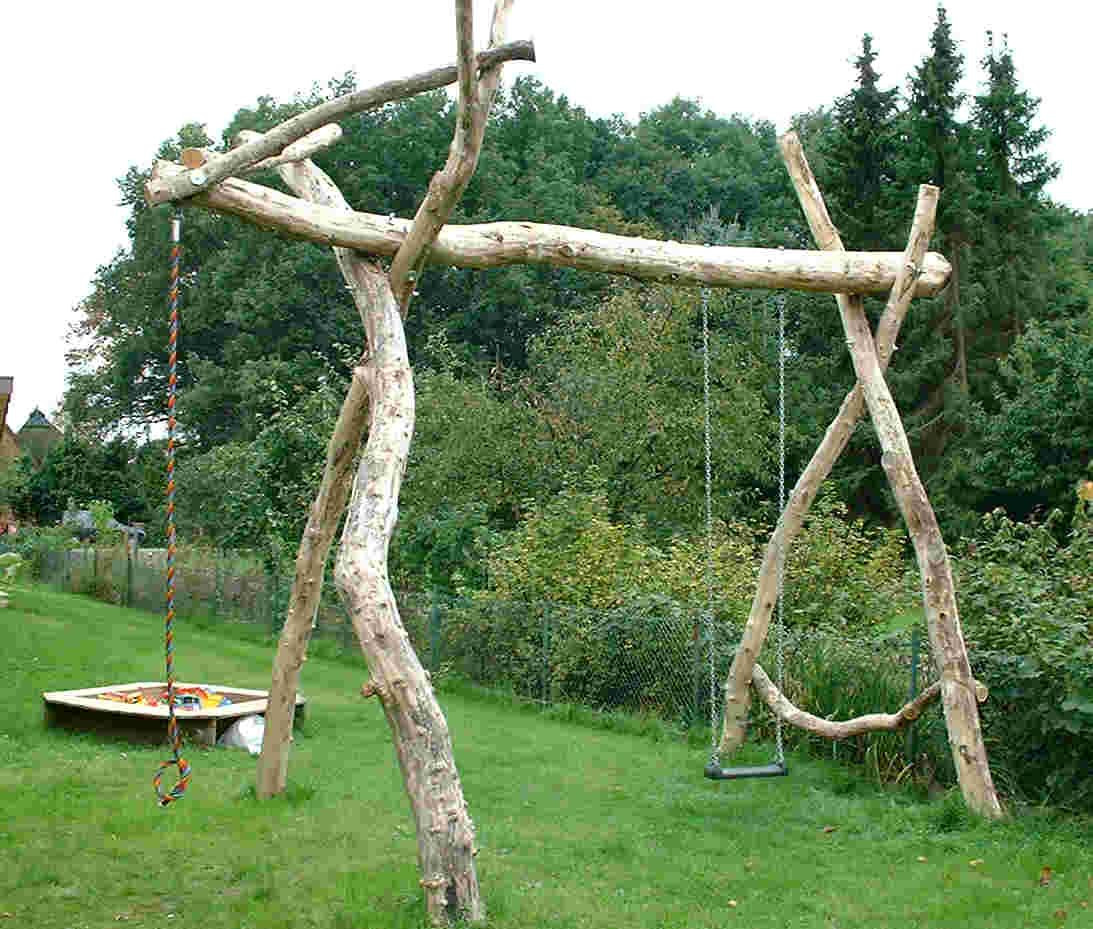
[569, 551]
[36, 544]
[256, 494]
[1027, 603]
[843, 574]
[443, 550]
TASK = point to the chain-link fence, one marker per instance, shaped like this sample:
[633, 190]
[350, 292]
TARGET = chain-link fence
[647, 656]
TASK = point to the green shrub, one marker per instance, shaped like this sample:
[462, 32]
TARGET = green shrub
[1027, 603]
[844, 574]
[38, 544]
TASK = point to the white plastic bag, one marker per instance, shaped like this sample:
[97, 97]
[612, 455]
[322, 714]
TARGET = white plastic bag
[245, 733]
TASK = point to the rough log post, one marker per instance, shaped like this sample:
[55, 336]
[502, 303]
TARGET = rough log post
[311, 183]
[161, 190]
[445, 833]
[736, 698]
[322, 522]
[939, 595]
[496, 245]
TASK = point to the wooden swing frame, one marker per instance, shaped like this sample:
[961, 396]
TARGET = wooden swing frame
[380, 398]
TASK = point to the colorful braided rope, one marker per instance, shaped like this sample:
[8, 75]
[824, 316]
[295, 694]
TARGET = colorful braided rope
[174, 734]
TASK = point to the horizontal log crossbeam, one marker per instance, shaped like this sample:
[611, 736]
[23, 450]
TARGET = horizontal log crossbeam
[494, 245]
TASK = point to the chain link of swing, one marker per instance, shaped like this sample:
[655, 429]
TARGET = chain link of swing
[708, 571]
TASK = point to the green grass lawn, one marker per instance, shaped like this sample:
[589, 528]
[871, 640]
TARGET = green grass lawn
[577, 826]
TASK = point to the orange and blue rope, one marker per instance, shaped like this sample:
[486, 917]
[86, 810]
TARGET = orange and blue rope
[174, 734]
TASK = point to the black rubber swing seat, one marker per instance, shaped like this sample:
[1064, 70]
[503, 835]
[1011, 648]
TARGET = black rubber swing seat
[717, 773]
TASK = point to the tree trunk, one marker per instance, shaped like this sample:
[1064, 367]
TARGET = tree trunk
[956, 314]
[939, 594]
[445, 833]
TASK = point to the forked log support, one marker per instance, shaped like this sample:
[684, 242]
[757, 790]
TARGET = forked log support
[784, 709]
[310, 182]
[447, 186]
[938, 590]
[445, 832]
[835, 440]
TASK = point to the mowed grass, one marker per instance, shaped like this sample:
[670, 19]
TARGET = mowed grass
[577, 826]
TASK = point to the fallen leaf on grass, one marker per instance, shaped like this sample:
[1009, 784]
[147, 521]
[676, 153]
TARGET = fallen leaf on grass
[921, 858]
[976, 862]
[732, 903]
[828, 829]
[1045, 876]
[7, 916]
[1059, 914]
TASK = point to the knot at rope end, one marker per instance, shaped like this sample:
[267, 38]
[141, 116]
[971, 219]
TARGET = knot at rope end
[175, 793]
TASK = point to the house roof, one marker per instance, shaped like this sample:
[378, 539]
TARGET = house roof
[37, 420]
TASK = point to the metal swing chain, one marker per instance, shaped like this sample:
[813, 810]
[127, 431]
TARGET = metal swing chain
[715, 755]
[173, 732]
[780, 623]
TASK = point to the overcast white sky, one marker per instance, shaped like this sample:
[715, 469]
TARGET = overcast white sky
[92, 88]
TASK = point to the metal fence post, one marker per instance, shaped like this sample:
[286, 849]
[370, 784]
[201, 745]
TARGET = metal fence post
[546, 688]
[914, 693]
[434, 631]
[217, 593]
[129, 544]
[694, 715]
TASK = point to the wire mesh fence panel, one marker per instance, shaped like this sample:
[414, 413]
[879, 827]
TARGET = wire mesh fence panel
[649, 655]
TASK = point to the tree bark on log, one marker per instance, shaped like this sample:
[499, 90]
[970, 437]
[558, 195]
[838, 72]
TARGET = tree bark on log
[179, 187]
[736, 697]
[448, 184]
[313, 184]
[497, 245]
[939, 594]
[445, 833]
[782, 707]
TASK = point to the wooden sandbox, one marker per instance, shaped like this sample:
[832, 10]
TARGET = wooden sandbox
[88, 710]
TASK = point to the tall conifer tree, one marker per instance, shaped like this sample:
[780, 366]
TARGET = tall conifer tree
[934, 386]
[860, 156]
[1012, 172]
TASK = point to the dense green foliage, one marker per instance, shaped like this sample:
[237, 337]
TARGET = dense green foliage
[1028, 607]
